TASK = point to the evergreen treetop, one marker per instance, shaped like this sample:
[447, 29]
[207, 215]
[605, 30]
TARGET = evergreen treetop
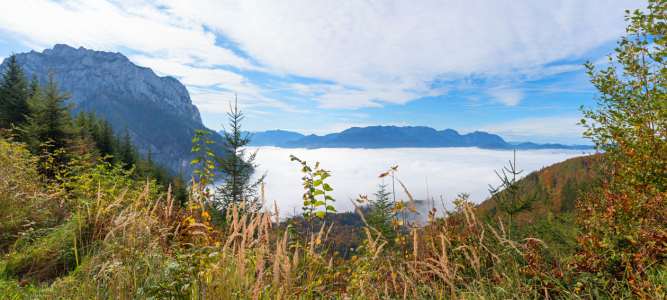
[127, 152]
[14, 94]
[235, 165]
[52, 121]
[381, 214]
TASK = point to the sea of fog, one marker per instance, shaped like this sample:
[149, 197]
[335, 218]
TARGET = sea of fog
[355, 171]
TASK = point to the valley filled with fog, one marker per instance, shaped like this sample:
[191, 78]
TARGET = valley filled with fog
[355, 171]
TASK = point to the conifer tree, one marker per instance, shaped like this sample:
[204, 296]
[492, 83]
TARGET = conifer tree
[106, 141]
[380, 215]
[127, 152]
[14, 94]
[52, 122]
[82, 124]
[33, 86]
[235, 167]
[508, 197]
[94, 127]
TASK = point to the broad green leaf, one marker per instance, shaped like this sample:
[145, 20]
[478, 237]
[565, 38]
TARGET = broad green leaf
[319, 203]
[331, 208]
[317, 183]
[321, 214]
[327, 188]
[318, 192]
[329, 198]
[306, 203]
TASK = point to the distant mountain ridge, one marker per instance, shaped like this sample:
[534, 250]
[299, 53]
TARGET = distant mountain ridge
[157, 110]
[375, 137]
[270, 137]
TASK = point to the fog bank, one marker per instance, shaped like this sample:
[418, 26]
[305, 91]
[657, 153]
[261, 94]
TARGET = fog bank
[355, 171]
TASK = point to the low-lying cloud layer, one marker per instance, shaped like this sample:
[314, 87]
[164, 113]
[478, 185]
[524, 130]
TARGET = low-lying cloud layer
[355, 171]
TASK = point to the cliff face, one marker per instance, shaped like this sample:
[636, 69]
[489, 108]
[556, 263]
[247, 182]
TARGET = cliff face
[157, 110]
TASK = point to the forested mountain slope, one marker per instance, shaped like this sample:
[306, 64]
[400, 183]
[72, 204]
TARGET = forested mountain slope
[556, 188]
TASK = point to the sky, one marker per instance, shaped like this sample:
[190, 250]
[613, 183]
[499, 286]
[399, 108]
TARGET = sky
[513, 68]
[432, 172]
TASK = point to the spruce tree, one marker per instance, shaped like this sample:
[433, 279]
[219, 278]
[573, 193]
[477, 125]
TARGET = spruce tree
[94, 128]
[380, 215]
[14, 94]
[235, 167]
[127, 152]
[509, 197]
[106, 141]
[82, 124]
[34, 87]
[52, 121]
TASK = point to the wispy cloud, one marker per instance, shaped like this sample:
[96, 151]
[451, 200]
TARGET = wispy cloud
[542, 130]
[510, 97]
[388, 51]
[102, 25]
[214, 101]
[190, 75]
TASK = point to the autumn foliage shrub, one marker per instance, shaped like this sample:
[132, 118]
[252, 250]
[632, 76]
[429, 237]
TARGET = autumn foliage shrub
[623, 214]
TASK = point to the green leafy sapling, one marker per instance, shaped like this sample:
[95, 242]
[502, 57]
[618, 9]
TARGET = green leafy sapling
[315, 186]
[202, 178]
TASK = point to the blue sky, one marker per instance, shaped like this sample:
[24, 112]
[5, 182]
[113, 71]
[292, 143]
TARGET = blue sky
[513, 68]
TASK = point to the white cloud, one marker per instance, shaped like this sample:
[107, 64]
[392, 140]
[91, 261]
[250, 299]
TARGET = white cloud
[213, 101]
[509, 97]
[360, 115]
[190, 75]
[355, 171]
[547, 129]
[101, 25]
[373, 48]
